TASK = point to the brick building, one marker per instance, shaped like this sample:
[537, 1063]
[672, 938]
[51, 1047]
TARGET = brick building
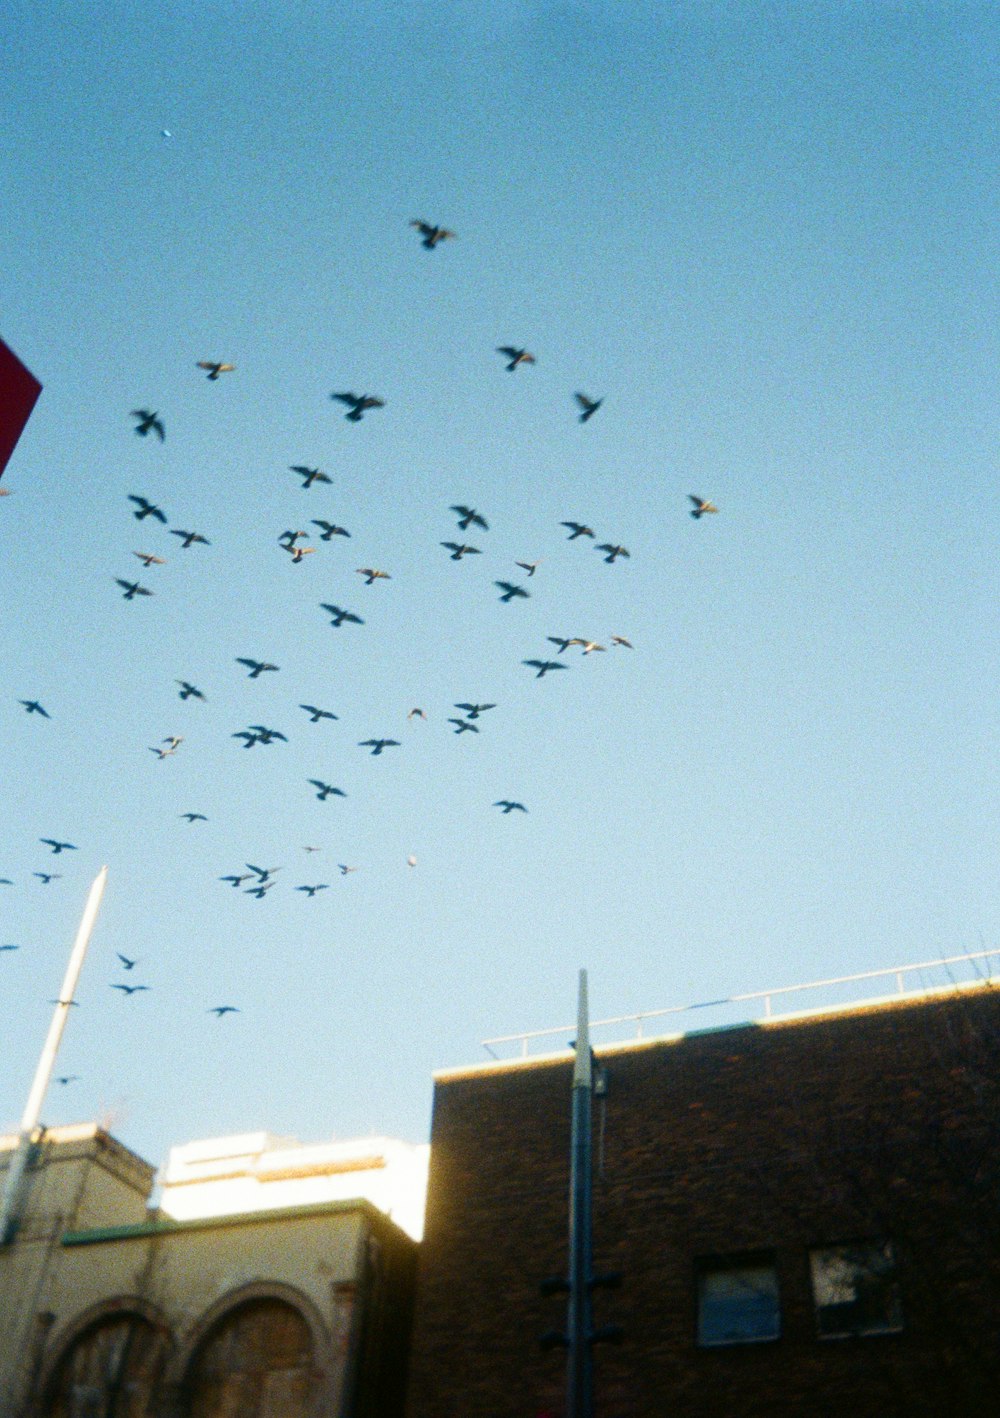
[805, 1213]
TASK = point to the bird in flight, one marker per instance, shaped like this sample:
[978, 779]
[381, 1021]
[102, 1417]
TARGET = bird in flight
[147, 421]
[220, 1009]
[309, 475]
[701, 505]
[515, 356]
[148, 559]
[322, 886]
[370, 574]
[620, 640]
[577, 529]
[473, 711]
[130, 989]
[590, 645]
[189, 538]
[377, 745]
[146, 509]
[510, 590]
[127, 964]
[563, 644]
[188, 691]
[529, 566]
[9, 947]
[464, 726]
[46, 876]
[68, 1078]
[431, 235]
[33, 707]
[344, 869]
[589, 406]
[324, 790]
[417, 714]
[509, 806]
[233, 880]
[329, 529]
[289, 538]
[262, 872]
[260, 890]
[256, 667]
[266, 735]
[132, 589]
[194, 816]
[469, 517]
[250, 737]
[214, 369]
[57, 847]
[340, 615]
[297, 552]
[359, 404]
[174, 742]
[317, 714]
[459, 549]
[613, 552]
[543, 666]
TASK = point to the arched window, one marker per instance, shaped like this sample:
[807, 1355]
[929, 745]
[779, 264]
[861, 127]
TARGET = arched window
[111, 1369]
[256, 1361]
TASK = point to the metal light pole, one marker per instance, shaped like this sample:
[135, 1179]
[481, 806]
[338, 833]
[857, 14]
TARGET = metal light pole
[580, 1368]
[46, 1063]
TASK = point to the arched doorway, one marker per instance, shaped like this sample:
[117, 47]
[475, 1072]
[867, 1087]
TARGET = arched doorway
[111, 1369]
[257, 1361]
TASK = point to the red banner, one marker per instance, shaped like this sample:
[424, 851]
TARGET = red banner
[18, 391]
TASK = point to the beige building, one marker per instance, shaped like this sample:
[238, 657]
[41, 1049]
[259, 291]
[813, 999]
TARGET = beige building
[268, 1284]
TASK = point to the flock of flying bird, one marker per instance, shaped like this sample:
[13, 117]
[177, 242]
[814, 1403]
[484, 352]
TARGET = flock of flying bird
[263, 879]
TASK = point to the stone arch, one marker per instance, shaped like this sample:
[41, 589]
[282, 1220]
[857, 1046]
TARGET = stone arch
[111, 1358]
[261, 1351]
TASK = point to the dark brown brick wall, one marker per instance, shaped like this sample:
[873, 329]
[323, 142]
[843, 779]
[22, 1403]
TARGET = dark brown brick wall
[878, 1123]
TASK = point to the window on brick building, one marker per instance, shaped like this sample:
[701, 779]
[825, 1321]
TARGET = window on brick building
[738, 1300]
[855, 1290]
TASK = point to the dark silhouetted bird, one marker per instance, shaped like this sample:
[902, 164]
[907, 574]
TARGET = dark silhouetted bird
[289, 538]
[431, 235]
[563, 644]
[473, 711]
[464, 726]
[233, 881]
[214, 369]
[613, 552]
[57, 847]
[188, 691]
[220, 1009]
[701, 505]
[68, 1078]
[146, 509]
[130, 989]
[188, 538]
[329, 529]
[515, 356]
[321, 886]
[529, 566]
[589, 406]
[509, 806]
[417, 714]
[309, 475]
[317, 714]
[46, 876]
[147, 421]
[148, 559]
[248, 735]
[325, 790]
[132, 589]
[359, 404]
[33, 707]
[458, 550]
[127, 964]
[344, 869]
[469, 517]
[266, 735]
[9, 947]
[259, 891]
[620, 640]
[510, 590]
[256, 667]
[577, 529]
[543, 666]
[377, 745]
[193, 816]
[297, 552]
[340, 615]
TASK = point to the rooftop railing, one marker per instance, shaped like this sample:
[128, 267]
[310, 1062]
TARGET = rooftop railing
[928, 976]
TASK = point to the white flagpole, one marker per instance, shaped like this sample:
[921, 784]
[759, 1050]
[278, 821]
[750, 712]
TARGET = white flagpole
[46, 1063]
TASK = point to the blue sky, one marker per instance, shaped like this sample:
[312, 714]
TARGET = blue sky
[765, 235]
